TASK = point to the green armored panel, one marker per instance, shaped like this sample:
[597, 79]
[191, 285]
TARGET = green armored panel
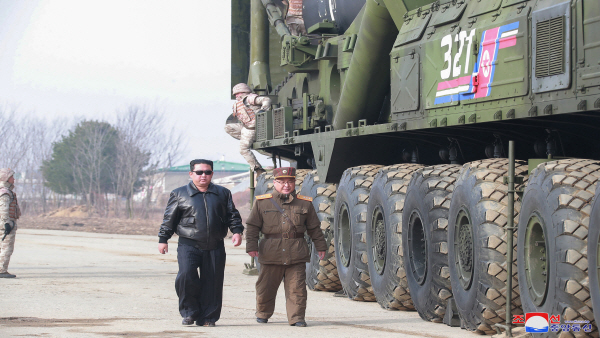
[448, 12]
[550, 59]
[413, 28]
[507, 3]
[277, 73]
[264, 126]
[588, 47]
[478, 7]
[240, 41]
[282, 121]
[478, 60]
[405, 88]
[345, 53]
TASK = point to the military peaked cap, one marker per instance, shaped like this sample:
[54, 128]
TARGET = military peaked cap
[284, 172]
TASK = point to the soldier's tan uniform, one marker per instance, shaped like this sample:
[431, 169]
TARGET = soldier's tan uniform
[9, 213]
[283, 252]
[244, 110]
[294, 19]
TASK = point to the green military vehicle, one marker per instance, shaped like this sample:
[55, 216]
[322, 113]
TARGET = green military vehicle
[401, 112]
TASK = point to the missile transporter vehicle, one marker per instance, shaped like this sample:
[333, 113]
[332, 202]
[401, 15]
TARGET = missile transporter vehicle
[401, 112]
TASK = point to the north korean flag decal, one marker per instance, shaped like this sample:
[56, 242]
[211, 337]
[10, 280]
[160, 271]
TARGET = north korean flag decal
[479, 83]
[536, 322]
[493, 40]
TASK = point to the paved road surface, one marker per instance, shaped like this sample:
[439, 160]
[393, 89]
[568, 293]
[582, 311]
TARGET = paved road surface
[76, 284]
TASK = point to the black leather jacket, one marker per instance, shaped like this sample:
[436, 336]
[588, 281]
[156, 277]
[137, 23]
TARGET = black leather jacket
[200, 216]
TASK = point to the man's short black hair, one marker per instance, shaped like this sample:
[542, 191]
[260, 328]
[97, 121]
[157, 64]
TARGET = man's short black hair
[200, 161]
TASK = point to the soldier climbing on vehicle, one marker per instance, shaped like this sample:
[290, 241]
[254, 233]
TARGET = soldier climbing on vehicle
[245, 108]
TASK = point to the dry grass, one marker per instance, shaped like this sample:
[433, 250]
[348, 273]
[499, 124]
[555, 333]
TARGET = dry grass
[76, 219]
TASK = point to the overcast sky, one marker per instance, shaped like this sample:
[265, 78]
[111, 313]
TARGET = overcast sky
[92, 58]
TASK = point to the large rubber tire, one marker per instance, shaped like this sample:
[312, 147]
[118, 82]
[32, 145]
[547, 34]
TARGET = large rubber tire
[349, 231]
[552, 240]
[321, 275]
[425, 239]
[593, 251]
[477, 244]
[300, 176]
[264, 184]
[384, 236]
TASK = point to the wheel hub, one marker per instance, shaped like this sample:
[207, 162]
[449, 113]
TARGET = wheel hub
[463, 249]
[378, 247]
[536, 260]
[345, 235]
[417, 245]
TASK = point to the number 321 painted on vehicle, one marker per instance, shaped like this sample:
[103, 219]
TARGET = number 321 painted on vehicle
[479, 83]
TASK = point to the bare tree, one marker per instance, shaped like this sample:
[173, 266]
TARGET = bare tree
[39, 134]
[88, 161]
[93, 152]
[144, 147]
[46, 134]
[163, 157]
[14, 149]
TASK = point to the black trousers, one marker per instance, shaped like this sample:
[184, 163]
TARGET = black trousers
[200, 296]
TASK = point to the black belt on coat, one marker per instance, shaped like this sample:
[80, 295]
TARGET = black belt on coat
[285, 235]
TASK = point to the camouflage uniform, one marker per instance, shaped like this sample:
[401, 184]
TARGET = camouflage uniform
[244, 110]
[294, 19]
[9, 213]
[283, 253]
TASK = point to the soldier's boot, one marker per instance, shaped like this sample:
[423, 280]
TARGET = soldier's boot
[7, 275]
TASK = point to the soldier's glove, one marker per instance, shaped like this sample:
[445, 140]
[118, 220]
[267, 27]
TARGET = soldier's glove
[7, 230]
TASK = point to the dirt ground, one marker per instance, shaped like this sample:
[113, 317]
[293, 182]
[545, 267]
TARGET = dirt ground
[86, 284]
[89, 277]
[76, 221]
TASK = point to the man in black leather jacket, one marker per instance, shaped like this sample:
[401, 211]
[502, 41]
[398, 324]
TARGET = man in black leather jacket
[200, 213]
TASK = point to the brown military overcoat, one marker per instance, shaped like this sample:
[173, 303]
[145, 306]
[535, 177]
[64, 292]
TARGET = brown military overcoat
[267, 219]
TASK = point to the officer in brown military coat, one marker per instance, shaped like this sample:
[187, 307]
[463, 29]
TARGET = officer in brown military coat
[283, 217]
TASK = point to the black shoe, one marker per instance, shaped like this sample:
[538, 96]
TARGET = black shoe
[211, 324]
[187, 321]
[261, 320]
[7, 275]
[300, 324]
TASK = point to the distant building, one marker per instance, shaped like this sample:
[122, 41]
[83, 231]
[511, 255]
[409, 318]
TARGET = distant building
[175, 177]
